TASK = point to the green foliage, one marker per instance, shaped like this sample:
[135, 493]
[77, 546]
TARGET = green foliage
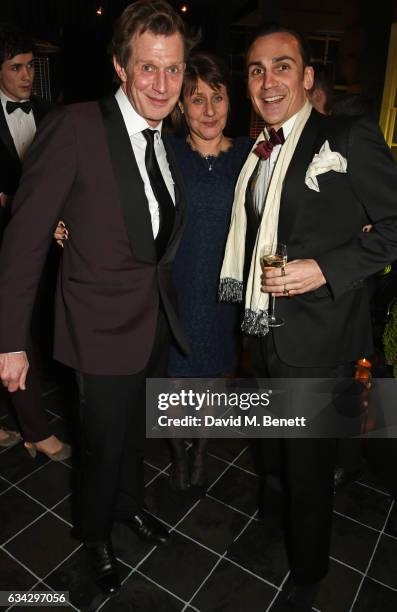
[390, 340]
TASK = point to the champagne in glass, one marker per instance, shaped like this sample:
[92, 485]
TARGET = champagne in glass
[274, 256]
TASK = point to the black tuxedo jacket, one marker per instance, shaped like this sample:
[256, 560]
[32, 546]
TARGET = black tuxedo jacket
[10, 164]
[332, 325]
[81, 168]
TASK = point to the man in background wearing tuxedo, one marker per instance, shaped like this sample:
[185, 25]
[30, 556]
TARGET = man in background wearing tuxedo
[106, 163]
[20, 112]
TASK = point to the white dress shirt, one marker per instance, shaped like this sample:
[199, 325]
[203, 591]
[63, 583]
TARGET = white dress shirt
[266, 167]
[22, 126]
[135, 125]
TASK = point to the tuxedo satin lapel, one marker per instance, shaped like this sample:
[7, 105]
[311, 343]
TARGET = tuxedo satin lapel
[295, 176]
[130, 184]
[6, 136]
[39, 109]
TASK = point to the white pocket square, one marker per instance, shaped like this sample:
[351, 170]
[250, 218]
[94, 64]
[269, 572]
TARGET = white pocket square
[324, 161]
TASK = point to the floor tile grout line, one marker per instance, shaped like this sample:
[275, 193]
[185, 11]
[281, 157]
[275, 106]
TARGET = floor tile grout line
[367, 486]
[50, 391]
[354, 569]
[372, 556]
[221, 557]
[155, 477]
[55, 415]
[198, 501]
[387, 586]
[142, 574]
[54, 569]
[250, 572]
[23, 529]
[229, 465]
[175, 529]
[224, 555]
[389, 535]
[21, 564]
[10, 486]
[34, 471]
[203, 583]
[49, 509]
[242, 469]
[350, 518]
[248, 523]
[220, 501]
[137, 571]
[279, 589]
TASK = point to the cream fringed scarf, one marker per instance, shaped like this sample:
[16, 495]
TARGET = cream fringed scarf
[231, 280]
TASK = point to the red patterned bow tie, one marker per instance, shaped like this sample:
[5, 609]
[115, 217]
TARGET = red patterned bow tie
[265, 147]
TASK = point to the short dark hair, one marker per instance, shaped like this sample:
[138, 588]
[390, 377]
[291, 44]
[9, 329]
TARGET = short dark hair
[209, 68]
[155, 16]
[324, 80]
[272, 28]
[13, 42]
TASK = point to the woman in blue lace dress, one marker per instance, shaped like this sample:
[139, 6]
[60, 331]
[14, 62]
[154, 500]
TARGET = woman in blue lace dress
[210, 163]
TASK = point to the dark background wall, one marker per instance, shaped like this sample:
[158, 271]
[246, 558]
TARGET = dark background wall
[84, 71]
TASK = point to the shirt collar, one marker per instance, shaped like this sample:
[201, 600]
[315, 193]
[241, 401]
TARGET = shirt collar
[4, 98]
[133, 121]
[287, 126]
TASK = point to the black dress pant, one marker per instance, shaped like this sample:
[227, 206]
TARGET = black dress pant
[113, 427]
[306, 468]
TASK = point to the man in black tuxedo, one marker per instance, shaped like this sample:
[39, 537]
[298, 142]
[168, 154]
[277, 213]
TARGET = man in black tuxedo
[20, 112]
[106, 163]
[321, 294]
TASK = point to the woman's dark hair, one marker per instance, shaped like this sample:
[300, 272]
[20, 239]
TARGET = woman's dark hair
[155, 16]
[210, 69]
[272, 28]
[13, 42]
[207, 67]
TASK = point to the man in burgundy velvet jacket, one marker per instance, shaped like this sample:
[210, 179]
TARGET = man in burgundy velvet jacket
[105, 165]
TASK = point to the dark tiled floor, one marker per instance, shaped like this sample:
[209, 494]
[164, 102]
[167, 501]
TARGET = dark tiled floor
[222, 557]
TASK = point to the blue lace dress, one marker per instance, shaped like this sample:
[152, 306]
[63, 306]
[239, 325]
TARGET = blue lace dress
[212, 327]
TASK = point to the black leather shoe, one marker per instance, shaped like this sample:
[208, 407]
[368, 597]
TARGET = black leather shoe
[104, 565]
[343, 478]
[147, 527]
[296, 598]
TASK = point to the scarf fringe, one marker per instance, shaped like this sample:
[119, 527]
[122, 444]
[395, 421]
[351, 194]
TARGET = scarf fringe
[255, 323]
[230, 290]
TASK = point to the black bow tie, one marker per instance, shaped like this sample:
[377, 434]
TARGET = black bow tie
[265, 147]
[25, 106]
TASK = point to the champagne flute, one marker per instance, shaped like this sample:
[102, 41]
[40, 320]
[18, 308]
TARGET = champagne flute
[274, 256]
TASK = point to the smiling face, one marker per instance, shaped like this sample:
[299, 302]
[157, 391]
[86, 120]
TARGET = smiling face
[16, 76]
[277, 80]
[206, 110]
[152, 79]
